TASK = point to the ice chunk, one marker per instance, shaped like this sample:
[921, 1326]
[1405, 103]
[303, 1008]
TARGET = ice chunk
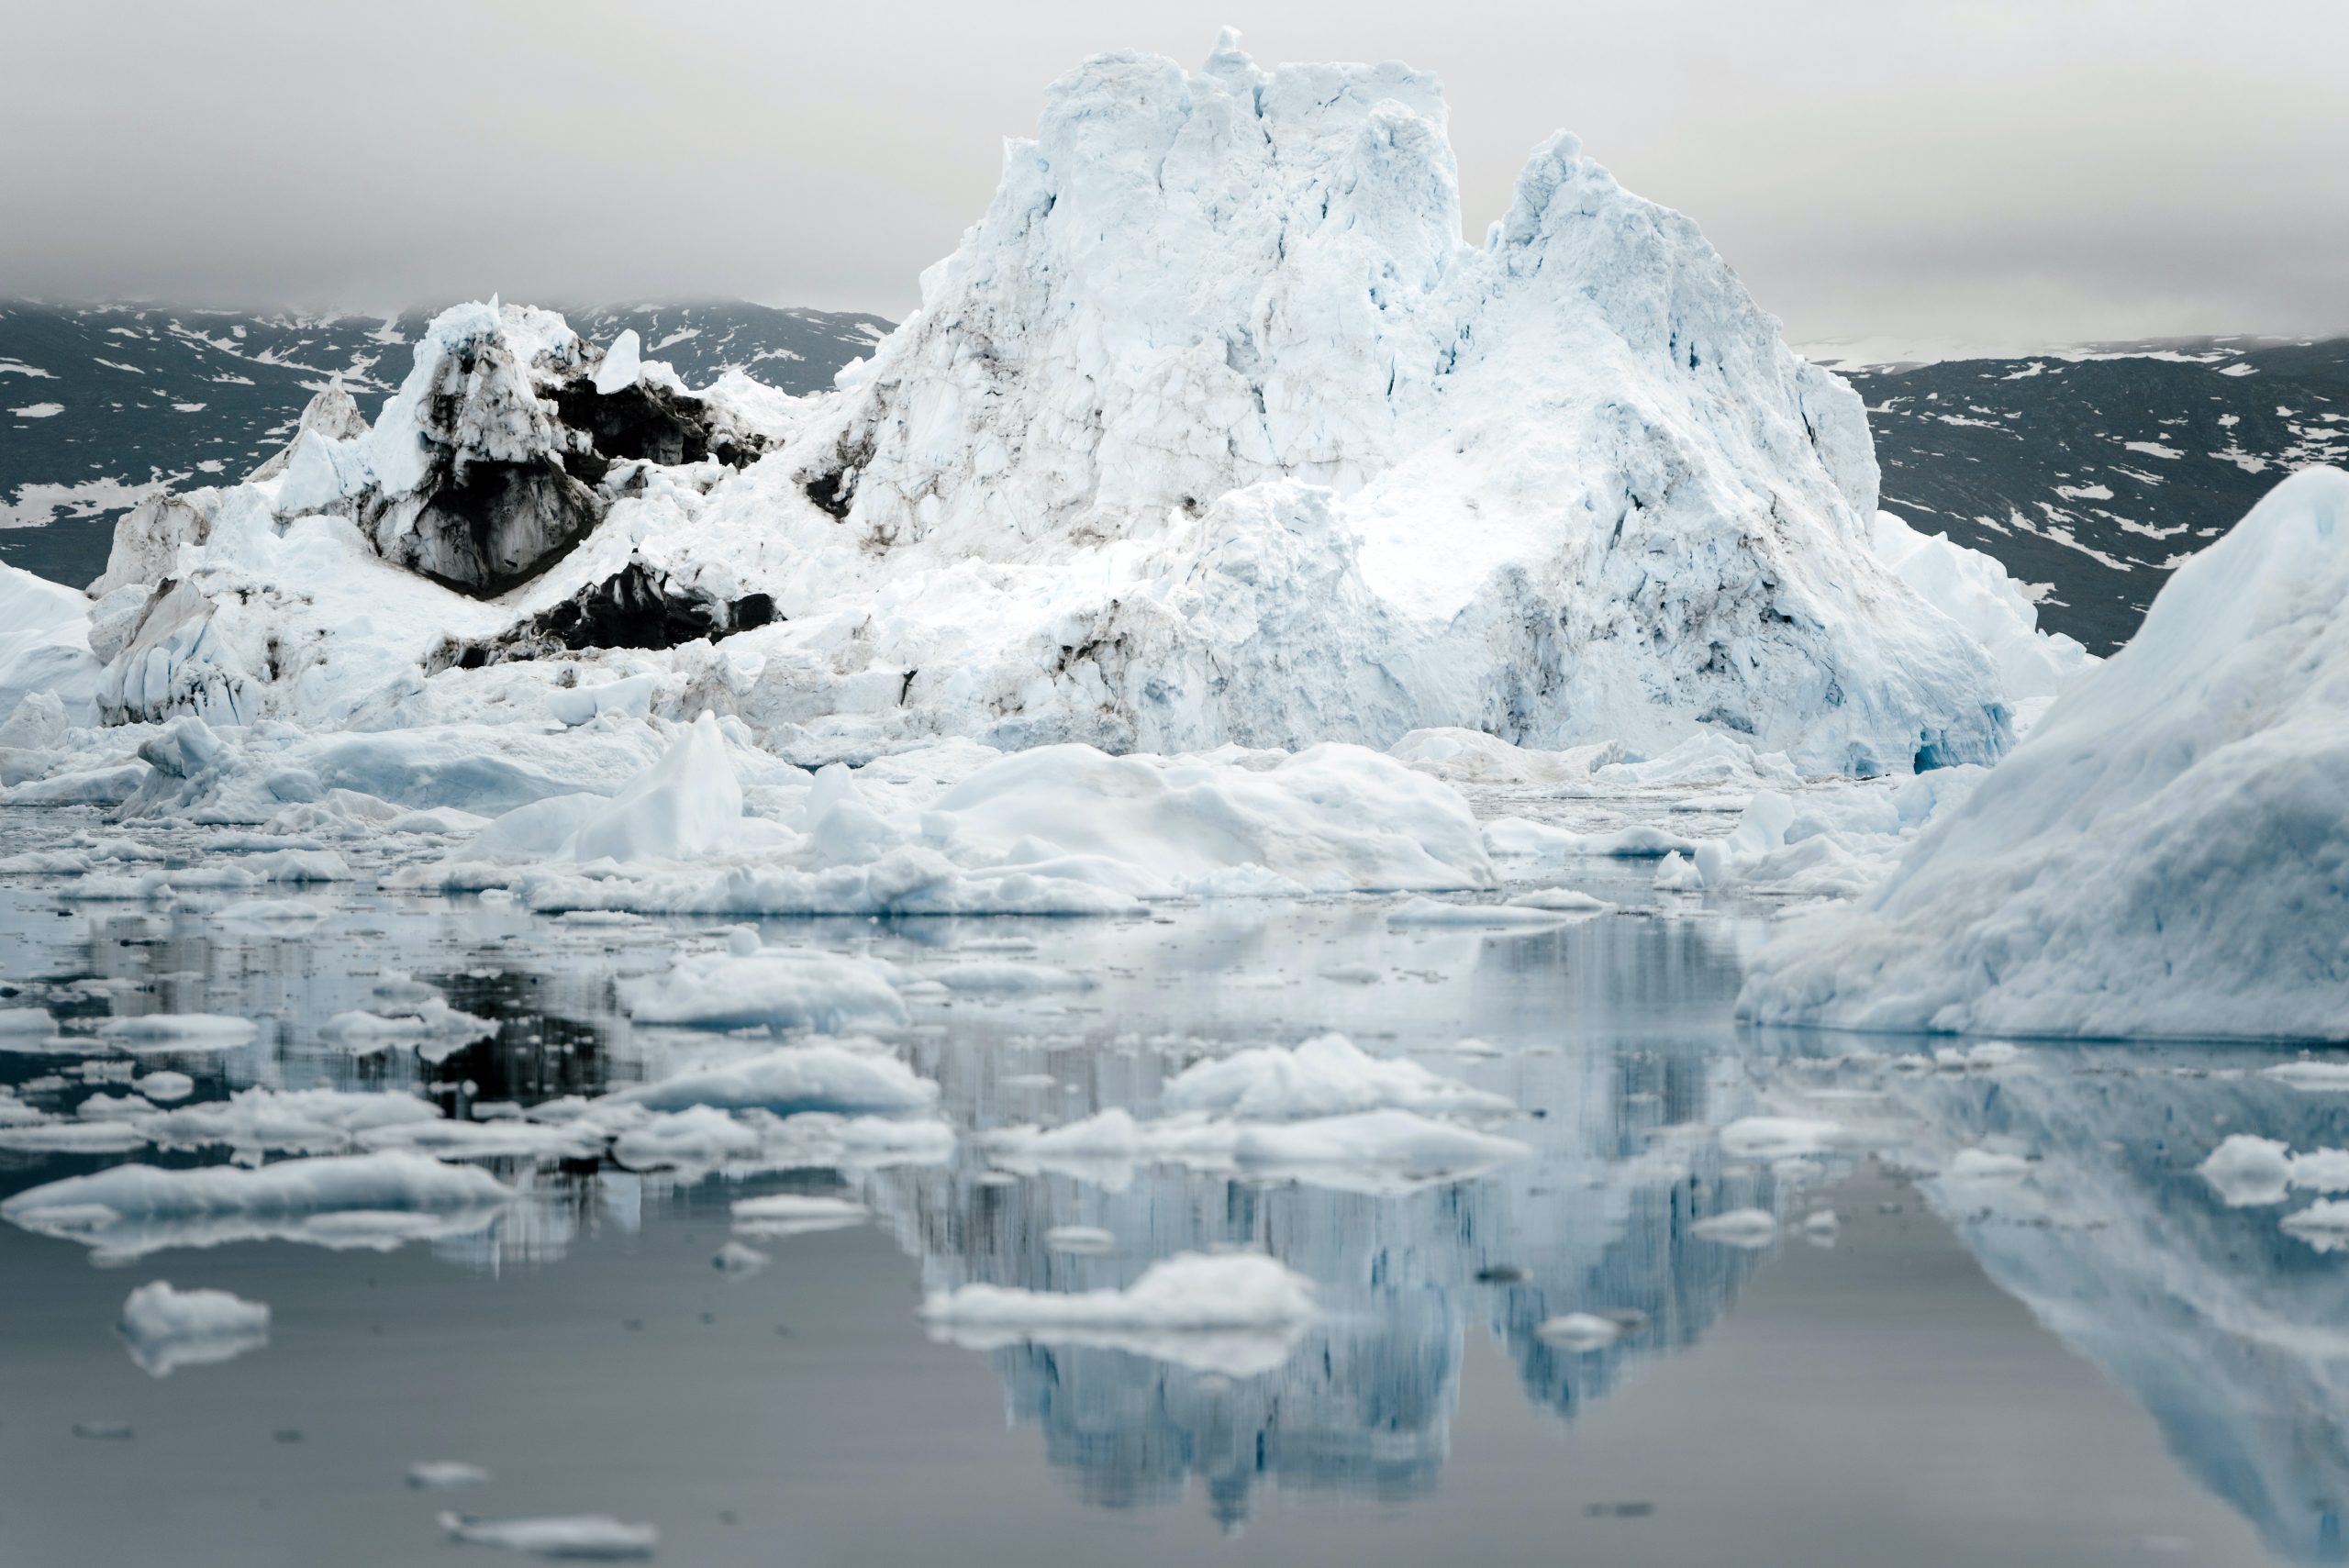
[307, 1121]
[780, 987]
[1087, 1238]
[363, 1200]
[621, 364]
[1782, 1138]
[165, 1032]
[1237, 1313]
[738, 1261]
[696, 1137]
[168, 1329]
[791, 1079]
[1328, 1075]
[1739, 1228]
[1578, 1331]
[441, 1474]
[786, 1214]
[572, 1538]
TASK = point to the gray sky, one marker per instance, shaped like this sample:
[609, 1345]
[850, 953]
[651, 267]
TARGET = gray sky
[1993, 170]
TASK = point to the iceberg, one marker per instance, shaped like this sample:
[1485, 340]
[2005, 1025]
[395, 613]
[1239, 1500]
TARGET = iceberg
[2165, 854]
[1211, 432]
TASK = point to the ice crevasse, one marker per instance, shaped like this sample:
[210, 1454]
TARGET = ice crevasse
[1211, 431]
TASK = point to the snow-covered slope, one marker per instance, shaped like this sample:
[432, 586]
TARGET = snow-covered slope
[2166, 854]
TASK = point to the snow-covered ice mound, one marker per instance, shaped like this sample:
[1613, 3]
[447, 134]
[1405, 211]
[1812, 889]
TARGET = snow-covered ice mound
[2166, 854]
[1211, 431]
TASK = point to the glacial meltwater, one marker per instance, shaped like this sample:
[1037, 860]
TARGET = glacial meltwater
[1605, 1277]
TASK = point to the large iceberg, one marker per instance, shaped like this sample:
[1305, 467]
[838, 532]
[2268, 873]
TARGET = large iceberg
[1211, 431]
[2166, 854]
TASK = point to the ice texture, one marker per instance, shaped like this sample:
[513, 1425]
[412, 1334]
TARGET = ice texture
[2167, 854]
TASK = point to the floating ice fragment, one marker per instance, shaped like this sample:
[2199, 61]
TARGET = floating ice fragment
[1749, 1228]
[1577, 1331]
[1079, 1239]
[575, 1537]
[177, 1031]
[738, 1261]
[1237, 1313]
[785, 1214]
[442, 1475]
[167, 1328]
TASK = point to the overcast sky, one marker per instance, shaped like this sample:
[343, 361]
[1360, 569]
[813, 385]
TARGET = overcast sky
[1994, 172]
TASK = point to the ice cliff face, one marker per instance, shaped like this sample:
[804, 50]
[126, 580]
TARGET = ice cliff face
[1212, 431]
[1576, 486]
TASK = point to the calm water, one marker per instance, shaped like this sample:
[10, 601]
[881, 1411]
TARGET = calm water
[2097, 1361]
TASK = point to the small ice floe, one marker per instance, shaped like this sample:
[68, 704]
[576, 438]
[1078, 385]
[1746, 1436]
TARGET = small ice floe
[1423, 911]
[1982, 1058]
[1354, 974]
[1519, 838]
[793, 1079]
[2310, 1075]
[2247, 1171]
[70, 1135]
[298, 1121]
[1007, 977]
[164, 1087]
[105, 1431]
[1382, 1151]
[1236, 1312]
[1985, 1165]
[738, 1262]
[444, 1474]
[1678, 874]
[775, 988]
[2323, 1225]
[1562, 901]
[698, 1137]
[1782, 1138]
[436, 1029]
[790, 1214]
[167, 1328]
[1079, 1239]
[1580, 1332]
[578, 1537]
[1821, 1225]
[177, 1031]
[364, 1200]
[18, 1022]
[1328, 1075]
[501, 1140]
[1751, 1228]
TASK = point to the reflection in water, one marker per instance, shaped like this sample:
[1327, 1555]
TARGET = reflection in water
[1611, 1036]
[2230, 1333]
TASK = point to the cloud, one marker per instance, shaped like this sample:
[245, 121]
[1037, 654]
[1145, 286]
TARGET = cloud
[2098, 168]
